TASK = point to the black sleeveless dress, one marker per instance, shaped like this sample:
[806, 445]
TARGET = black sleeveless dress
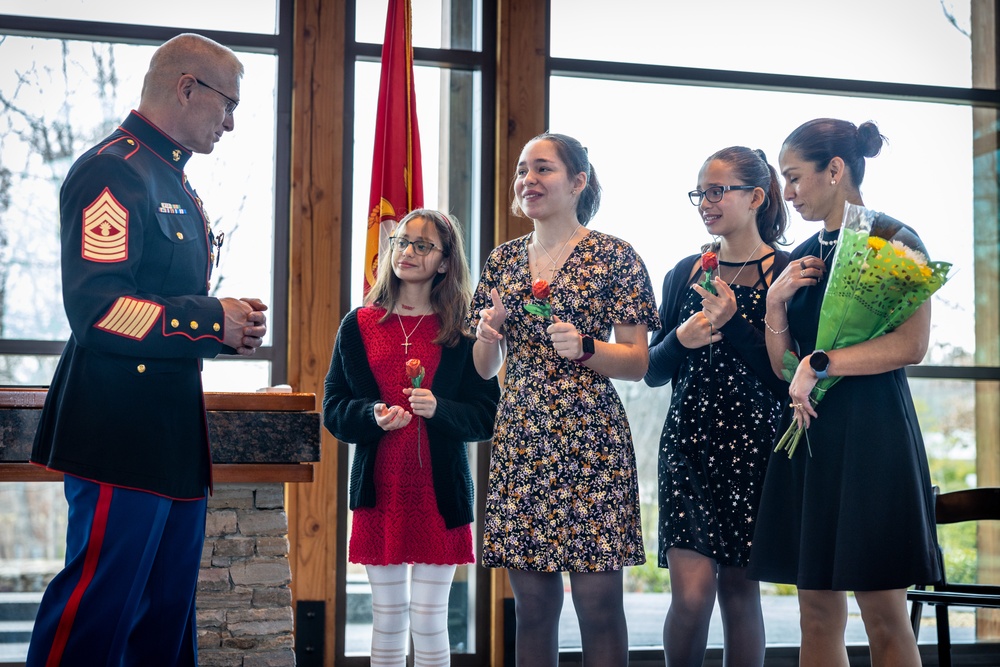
[858, 514]
[717, 437]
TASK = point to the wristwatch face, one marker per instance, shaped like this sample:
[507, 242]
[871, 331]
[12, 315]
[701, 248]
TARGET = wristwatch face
[819, 361]
[588, 345]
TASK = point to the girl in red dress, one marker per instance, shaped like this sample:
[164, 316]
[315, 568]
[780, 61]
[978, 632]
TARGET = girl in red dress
[411, 486]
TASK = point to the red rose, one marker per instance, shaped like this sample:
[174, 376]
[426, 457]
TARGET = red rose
[709, 261]
[415, 371]
[540, 289]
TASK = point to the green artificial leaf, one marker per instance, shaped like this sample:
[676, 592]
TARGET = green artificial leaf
[542, 310]
[790, 362]
[706, 283]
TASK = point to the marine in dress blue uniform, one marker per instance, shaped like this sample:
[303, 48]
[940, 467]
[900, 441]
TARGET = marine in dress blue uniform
[124, 417]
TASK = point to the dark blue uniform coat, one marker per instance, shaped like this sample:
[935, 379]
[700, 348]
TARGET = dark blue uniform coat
[126, 405]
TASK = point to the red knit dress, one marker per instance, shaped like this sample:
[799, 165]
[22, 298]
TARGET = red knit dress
[405, 525]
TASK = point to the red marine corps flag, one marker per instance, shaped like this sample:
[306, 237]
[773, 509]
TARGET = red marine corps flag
[397, 181]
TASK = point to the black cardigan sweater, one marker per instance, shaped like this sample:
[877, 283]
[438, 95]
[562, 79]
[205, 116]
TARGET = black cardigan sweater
[667, 355]
[466, 410]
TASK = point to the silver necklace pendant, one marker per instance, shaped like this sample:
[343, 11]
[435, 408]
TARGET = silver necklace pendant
[823, 242]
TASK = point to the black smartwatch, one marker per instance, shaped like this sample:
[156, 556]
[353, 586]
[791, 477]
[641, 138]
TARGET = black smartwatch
[819, 361]
[588, 349]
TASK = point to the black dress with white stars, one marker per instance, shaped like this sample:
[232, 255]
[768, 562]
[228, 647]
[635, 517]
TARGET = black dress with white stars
[720, 428]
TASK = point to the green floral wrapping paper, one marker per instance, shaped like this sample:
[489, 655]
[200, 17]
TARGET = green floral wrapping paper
[873, 287]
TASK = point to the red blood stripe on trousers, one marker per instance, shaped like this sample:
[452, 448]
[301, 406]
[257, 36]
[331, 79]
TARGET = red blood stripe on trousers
[96, 541]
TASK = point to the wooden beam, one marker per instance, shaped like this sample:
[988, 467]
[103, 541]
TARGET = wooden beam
[521, 109]
[521, 99]
[223, 473]
[986, 241]
[33, 397]
[314, 283]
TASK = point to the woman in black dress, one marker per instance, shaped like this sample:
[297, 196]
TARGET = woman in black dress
[854, 511]
[723, 409]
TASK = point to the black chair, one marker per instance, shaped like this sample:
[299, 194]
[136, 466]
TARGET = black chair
[980, 504]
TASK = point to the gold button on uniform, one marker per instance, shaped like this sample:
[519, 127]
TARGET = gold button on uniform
[216, 326]
[180, 236]
[175, 323]
[193, 325]
[141, 368]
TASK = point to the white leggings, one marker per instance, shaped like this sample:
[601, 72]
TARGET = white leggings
[421, 608]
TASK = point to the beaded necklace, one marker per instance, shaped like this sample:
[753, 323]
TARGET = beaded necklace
[821, 237]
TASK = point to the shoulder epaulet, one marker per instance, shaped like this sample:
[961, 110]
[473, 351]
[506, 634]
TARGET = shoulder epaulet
[123, 146]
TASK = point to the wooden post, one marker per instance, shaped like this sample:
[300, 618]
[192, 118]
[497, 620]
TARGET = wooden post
[987, 287]
[315, 278]
[522, 88]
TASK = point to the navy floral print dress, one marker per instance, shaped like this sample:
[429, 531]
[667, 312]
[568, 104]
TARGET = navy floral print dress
[563, 493]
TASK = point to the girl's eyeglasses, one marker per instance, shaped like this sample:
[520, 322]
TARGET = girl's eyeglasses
[714, 193]
[400, 244]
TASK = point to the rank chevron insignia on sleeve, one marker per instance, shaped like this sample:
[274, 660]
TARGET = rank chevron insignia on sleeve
[131, 317]
[105, 230]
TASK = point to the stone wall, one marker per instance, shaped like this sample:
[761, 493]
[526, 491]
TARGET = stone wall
[244, 599]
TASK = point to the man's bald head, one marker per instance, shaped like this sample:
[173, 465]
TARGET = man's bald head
[190, 82]
[186, 53]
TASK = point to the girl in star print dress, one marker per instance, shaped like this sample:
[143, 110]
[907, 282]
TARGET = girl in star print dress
[563, 493]
[411, 486]
[724, 405]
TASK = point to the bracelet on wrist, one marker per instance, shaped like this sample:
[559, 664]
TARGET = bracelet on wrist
[774, 331]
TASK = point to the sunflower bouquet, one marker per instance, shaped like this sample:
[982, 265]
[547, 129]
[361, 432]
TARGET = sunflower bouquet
[875, 284]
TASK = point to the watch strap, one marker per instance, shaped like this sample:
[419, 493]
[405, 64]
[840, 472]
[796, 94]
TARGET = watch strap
[587, 343]
[823, 372]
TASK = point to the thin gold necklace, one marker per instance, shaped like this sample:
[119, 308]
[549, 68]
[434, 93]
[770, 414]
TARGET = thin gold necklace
[552, 266]
[406, 336]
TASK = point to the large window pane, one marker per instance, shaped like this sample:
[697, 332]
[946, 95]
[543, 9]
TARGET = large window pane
[231, 374]
[947, 411]
[904, 41]
[646, 174]
[27, 370]
[57, 99]
[257, 16]
[449, 146]
[437, 24]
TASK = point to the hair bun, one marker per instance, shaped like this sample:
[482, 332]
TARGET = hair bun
[870, 140]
